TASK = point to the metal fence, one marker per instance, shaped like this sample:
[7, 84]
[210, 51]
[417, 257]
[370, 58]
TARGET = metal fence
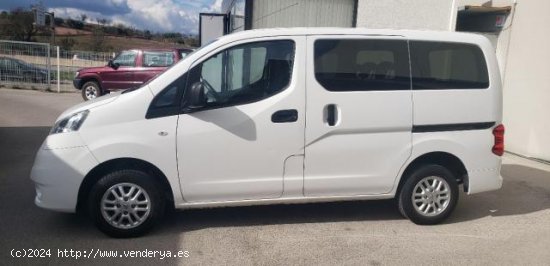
[41, 66]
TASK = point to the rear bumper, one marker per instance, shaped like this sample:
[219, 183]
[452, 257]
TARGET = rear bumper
[484, 180]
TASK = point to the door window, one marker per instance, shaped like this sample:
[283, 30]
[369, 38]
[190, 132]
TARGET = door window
[126, 58]
[245, 73]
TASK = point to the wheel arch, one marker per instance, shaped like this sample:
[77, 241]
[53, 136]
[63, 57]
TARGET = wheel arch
[89, 78]
[118, 164]
[445, 159]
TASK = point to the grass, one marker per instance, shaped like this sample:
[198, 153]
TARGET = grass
[111, 43]
[64, 75]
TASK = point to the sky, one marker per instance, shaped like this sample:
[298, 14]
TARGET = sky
[154, 15]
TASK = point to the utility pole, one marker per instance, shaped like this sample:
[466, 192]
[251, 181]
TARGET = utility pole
[52, 25]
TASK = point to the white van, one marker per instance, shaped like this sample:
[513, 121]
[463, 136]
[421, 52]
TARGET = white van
[286, 116]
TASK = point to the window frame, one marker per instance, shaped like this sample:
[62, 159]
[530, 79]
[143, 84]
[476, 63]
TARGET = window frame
[185, 110]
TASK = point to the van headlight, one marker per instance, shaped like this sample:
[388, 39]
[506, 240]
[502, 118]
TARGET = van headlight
[70, 123]
[76, 74]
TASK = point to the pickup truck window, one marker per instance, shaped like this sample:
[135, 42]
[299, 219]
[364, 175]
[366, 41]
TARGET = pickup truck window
[158, 59]
[126, 58]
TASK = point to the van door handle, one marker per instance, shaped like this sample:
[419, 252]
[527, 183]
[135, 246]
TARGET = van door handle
[285, 116]
[331, 114]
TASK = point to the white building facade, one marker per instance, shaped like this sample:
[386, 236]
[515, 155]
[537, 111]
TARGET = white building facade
[515, 27]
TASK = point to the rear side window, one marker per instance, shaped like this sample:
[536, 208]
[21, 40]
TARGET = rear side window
[157, 59]
[362, 65]
[439, 65]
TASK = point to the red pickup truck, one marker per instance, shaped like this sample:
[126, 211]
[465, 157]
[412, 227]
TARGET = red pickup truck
[129, 69]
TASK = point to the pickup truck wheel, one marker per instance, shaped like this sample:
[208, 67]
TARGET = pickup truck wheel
[429, 195]
[126, 203]
[90, 90]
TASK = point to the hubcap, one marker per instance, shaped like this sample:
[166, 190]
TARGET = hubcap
[431, 196]
[125, 205]
[91, 92]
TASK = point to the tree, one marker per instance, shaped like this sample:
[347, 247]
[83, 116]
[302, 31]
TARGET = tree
[75, 24]
[83, 17]
[103, 21]
[147, 35]
[58, 21]
[67, 43]
[18, 24]
[97, 39]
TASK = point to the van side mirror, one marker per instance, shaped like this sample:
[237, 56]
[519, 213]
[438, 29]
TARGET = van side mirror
[112, 64]
[197, 99]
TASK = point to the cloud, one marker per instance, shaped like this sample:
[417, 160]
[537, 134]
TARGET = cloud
[154, 15]
[215, 7]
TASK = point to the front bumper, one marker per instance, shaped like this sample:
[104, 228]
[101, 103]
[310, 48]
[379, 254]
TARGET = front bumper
[58, 173]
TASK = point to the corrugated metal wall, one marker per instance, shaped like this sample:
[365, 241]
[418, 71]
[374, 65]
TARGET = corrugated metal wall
[302, 13]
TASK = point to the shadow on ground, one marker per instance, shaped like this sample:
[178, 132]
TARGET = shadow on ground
[524, 190]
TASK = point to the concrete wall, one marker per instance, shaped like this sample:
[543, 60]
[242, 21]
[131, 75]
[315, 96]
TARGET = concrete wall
[527, 81]
[523, 52]
[406, 14]
[302, 13]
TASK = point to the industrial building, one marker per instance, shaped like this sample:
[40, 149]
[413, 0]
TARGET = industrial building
[515, 28]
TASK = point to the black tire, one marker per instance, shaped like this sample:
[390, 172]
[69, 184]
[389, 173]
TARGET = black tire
[140, 180]
[90, 90]
[436, 173]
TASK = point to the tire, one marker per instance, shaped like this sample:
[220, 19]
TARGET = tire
[90, 90]
[436, 192]
[130, 217]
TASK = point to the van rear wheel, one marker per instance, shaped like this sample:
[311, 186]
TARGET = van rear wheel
[126, 203]
[429, 195]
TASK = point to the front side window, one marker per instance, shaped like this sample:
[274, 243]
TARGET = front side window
[158, 59]
[245, 73]
[126, 58]
[168, 101]
[440, 65]
[362, 64]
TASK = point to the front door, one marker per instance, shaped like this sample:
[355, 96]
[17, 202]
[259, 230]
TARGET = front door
[359, 114]
[123, 76]
[235, 147]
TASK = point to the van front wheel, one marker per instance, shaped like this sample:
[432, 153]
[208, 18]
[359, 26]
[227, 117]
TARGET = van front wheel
[429, 195]
[126, 203]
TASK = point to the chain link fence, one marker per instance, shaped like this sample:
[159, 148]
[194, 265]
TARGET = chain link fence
[30, 65]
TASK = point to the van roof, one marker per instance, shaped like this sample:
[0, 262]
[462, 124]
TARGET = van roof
[409, 34]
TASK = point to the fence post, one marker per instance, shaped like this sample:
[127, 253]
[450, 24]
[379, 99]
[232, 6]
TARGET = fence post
[58, 72]
[49, 63]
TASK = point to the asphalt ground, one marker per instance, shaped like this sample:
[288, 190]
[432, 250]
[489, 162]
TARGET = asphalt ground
[510, 226]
